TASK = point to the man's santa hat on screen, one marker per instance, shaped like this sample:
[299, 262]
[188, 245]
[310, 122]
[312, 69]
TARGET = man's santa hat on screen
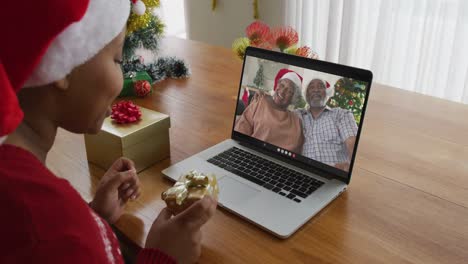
[70, 33]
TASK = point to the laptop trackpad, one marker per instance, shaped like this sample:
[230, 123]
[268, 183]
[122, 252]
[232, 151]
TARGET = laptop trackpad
[233, 191]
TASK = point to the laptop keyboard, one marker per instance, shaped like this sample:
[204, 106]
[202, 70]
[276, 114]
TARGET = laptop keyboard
[279, 179]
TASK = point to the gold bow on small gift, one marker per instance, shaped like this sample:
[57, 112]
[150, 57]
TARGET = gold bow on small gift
[189, 188]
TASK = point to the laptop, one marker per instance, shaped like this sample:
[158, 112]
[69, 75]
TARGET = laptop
[264, 182]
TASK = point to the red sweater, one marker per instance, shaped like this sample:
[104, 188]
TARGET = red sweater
[44, 220]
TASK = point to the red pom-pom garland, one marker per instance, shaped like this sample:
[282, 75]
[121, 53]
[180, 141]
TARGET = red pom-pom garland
[142, 88]
[125, 112]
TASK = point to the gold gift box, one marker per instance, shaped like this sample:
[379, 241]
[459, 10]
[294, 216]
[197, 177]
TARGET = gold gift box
[145, 142]
[188, 189]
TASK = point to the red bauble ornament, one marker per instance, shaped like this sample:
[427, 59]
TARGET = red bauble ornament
[350, 102]
[125, 112]
[142, 88]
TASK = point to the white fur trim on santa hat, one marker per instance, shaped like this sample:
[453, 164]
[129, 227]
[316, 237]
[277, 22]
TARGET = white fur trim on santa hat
[102, 22]
[330, 91]
[292, 77]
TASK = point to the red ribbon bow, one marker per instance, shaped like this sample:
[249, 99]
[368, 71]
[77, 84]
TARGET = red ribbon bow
[125, 112]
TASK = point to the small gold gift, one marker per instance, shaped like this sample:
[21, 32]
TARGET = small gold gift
[190, 188]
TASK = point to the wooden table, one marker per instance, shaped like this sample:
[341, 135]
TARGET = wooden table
[408, 198]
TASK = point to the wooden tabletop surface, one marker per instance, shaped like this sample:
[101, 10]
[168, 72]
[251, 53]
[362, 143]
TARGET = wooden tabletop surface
[408, 197]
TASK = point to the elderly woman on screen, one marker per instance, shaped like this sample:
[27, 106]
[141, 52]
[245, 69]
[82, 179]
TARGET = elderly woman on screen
[267, 118]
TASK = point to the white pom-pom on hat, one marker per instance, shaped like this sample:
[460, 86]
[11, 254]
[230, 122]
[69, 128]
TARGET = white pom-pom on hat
[138, 7]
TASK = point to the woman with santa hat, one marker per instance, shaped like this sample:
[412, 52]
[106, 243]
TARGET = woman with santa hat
[65, 72]
[267, 118]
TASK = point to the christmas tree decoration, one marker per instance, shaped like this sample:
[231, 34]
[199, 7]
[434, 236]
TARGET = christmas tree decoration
[138, 7]
[142, 88]
[259, 77]
[174, 68]
[139, 20]
[349, 94]
[147, 38]
[255, 9]
[125, 112]
[214, 4]
[283, 39]
[144, 31]
[130, 78]
[165, 67]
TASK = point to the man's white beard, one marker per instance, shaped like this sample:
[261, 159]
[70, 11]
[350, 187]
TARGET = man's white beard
[322, 103]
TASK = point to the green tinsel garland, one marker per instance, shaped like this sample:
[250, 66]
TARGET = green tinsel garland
[164, 67]
[147, 38]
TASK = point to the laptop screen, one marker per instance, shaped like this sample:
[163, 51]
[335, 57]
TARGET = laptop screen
[302, 109]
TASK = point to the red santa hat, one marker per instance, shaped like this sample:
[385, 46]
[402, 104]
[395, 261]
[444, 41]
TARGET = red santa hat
[68, 33]
[290, 75]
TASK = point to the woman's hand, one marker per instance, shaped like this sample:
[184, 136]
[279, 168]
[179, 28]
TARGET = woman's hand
[180, 236]
[119, 184]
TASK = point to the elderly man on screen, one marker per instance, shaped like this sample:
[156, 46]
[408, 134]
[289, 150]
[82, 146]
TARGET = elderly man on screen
[329, 133]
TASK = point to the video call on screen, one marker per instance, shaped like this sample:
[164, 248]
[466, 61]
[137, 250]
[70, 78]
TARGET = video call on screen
[303, 112]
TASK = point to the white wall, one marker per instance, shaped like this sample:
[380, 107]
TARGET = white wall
[229, 20]
[172, 14]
